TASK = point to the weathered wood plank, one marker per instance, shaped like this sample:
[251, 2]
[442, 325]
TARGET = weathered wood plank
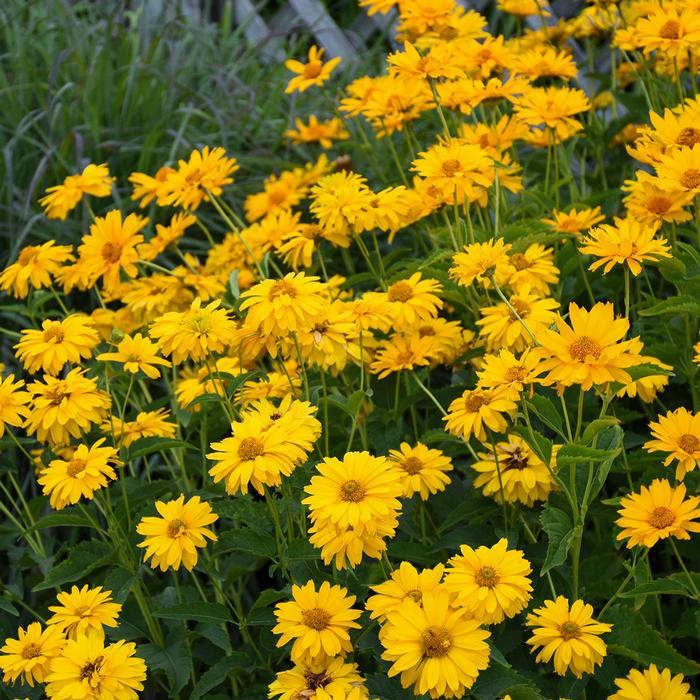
[326, 32]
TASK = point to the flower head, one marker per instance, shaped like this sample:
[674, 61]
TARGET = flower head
[314, 72]
[421, 469]
[315, 131]
[14, 408]
[60, 199]
[478, 409]
[478, 261]
[31, 654]
[136, 354]
[678, 434]
[146, 424]
[84, 609]
[651, 683]
[34, 268]
[320, 680]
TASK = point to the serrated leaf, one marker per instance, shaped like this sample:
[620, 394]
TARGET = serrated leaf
[81, 560]
[682, 304]
[218, 673]
[547, 412]
[247, 540]
[175, 660]
[199, 611]
[576, 454]
[664, 586]
[537, 442]
[560, 533]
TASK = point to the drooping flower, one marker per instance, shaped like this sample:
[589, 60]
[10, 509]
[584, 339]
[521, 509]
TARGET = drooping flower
[678, 434]
[60, 199]
[31, 654]
[420, 469]
[84, 609]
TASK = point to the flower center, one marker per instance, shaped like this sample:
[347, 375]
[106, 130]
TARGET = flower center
[415, 594]
[56, 394]
[314, 681]
[569, 630]
[688, 443]
[412, 465]
[81, 610]
[111, 252]
[312, 70]
[584, 347]
[688, 137]
[522, 307]
[487, 577]
[690, 179]
[175, 527]
[31, 651]
[661, 518]
[27, 255]
[75, 466]
[250, 448]
[282, 287]
[516, 374]
[91, 671]
[200, 322]
[658, 205]
[520, 262]
[670, 30]
[316, 618]
[277, 196]
[515, 460]
[352, 491]
[436, 642]
[401, 291]
[424, 331]
[194, 177]
[474, 402]
[450, 167]
[54, 333]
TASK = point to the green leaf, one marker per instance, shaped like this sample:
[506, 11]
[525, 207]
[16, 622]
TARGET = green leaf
[575, 454]
[596, 426]
[537, 442]
[633, 637]
[175, 660]
[302, 549]
[149, 445]
[547, 412]
[200, 611]
[8, 607]
[662, 586]
[218, 673]
[247, 540]
[560, 533]
[683, 304]
[268, 597]
[610, 440]
[233, 284]
[82, 559]
[72, 519]
[497, 681]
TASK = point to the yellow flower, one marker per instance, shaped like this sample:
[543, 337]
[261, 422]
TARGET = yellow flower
[279, 194]
[34, 267]
[569, 634]
[574, 221]
[680, 170]
[165, 236]
[110, 248]
[478, 409]
[657, 512]
[590, 351]
[524, 477]
[193, 334]
[444, 338]
[478, 261]
[315, 72]
[438, 62]
[56, 343]
[405, 582]
[338, 201]
[554, 108]
[84, 609]
[491, 583]
[146, 424]
[435, 647]
[668, 31]
[325, 680]
[421, 469]
[146, 187]
[14, 408]
[60, 199]
[626, 243]
[173, 538]
[136, 354]
[410, 301]
[650, 204]
[315, 131]
[65, 408]
[88, 669]
[31, 654]
[317, 620]
[678, 434]
[505, 370]
[651, 683]
[88, 470]
[545, 62]
[534, 268]
[401, 353]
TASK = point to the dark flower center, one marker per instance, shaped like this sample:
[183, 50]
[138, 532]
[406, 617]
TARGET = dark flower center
[436, 642]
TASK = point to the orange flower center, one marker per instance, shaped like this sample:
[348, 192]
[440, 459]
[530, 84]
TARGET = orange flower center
[450, 167]
[54, 333]
[690, 179]
[250, 448]
[515, 460]
[112, 252]
[520, 262]
[436, 642]
[522, 307]
[282, 287]
[569, 630]
[688, 443]
[474, 402]
[31, 651]
[516, 374]
[584, 347]
[352, 491]
[670, 30]
[405, 358]
[401, 291]
[487, 577]
[312, 70]
[658, 205]
[75, 466]
[194, 177]
[175, 527]
[277, 196]
[316, 618]
[661, 518]
[688, 137]
[412, 465]
[27, 255]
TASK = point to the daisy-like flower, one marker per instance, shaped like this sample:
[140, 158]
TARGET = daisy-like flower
[628, 243]
[438, 62]
[315, 131]
[34, 268]
[166, 236]
[478, 261]
[657, 512]
[313, 73]
[575, 221]
[589, 351]
[680, 170]
[318, 621]
[437, 648]
[554, 108]
[146, 424]
[650, 204]
[678, 434]
[31, 654]
[545, 62]
[66, 481]
[324, 680]
[84, 609]
[524, 477]
[569, 634]
[65, 408]
[88, 669]
[193, 334]
[405, 582]
[534, 268]
[57, 342]
[401, 353]
[173, 538]
[444, 338]
[478, 409]
[421, 469]
[507, 370]
[14, 408]
[145, 187]
[281, 307]
[668, 31]
[206, 171]
[338, 200]
[280, 193]
[110, 247]
[492, 583]
[651, 683]
[60, 199]
[137, 354]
